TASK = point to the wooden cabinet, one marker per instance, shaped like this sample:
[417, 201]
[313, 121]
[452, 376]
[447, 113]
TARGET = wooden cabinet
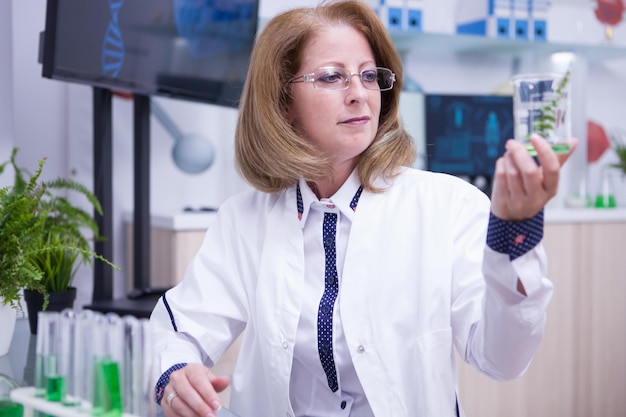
[174, 240]
[580, 367]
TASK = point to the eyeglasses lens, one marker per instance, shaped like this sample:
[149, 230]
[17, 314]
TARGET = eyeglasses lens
[330, 78]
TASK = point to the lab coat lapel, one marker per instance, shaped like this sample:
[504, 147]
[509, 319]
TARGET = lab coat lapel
[279, 292]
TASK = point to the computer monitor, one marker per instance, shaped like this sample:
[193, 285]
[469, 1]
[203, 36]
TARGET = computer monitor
[186, 49]
[465, 134]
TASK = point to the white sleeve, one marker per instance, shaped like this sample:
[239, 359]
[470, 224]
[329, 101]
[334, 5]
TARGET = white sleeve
[503, 343]
[198, 319]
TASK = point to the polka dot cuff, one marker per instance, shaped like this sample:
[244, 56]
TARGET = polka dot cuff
[164, 380]
[514, 238]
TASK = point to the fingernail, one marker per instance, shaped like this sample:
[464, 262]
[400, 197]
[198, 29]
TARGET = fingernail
[216, 405]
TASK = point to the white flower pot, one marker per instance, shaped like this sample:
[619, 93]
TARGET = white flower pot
[8, 316]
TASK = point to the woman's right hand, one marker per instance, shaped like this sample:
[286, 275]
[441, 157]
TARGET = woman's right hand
[196, 391]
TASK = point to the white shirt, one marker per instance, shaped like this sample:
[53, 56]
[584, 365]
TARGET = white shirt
[309, 391]
[417, 280]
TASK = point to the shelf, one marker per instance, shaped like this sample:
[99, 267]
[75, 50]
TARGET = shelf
[198, 220]
[440, 42]
[26, 397]
[586, 215]
[406, 41]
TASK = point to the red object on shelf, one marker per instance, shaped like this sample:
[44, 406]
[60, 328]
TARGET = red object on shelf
[597, 141]
[609, 12]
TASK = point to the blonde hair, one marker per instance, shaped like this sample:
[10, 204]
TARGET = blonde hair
[270, 154]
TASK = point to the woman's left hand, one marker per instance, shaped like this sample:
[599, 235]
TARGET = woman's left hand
[521, 188]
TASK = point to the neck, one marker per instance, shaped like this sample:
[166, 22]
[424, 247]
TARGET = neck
[322, 188]
[326, 187]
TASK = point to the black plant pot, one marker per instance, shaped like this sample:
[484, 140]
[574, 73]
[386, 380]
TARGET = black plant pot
[58, 301]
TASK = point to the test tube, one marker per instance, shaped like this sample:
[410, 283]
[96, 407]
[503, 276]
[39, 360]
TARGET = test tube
[86, 322]
[150, 371]
[67, 357]
[53, 382]
[40, 381]
[131, 367]
[108, 358]
[137, 367]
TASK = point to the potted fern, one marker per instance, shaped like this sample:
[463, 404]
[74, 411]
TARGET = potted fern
[19, 228]
[44, 238]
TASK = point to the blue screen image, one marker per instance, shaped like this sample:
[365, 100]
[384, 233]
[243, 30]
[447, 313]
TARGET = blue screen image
[465, 134]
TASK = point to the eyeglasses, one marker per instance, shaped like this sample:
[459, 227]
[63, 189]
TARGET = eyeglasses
[334, 78]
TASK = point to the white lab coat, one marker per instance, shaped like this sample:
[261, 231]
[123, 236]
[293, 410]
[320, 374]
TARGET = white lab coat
[418, 279]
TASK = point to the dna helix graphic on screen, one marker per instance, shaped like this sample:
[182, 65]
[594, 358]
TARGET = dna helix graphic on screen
[113, 44]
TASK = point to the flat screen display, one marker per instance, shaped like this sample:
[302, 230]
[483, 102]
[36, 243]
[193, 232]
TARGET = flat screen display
[465, 134]
[190, 49]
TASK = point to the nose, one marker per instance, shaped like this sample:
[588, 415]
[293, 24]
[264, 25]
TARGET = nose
[356, 90]
[358, 75]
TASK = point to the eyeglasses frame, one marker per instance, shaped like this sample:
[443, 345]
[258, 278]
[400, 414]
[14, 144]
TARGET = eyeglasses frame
[309, 78]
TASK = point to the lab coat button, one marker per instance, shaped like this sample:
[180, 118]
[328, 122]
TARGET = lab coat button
[343, 405]
[361, 349]
[285, 345]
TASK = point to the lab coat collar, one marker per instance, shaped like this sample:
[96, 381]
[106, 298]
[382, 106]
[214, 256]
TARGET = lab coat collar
[342, 198]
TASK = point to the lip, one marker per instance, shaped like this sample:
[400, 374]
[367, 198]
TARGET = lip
[357, 120]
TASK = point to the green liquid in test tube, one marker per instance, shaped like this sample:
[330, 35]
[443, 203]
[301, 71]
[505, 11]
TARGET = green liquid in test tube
[46, 331]
[108, 392]
[11, 409]
[111, 373]
[108, 342]
[55, 388]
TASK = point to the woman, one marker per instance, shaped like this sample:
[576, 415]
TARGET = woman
[346, 311]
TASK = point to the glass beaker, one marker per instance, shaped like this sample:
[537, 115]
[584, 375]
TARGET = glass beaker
[542, 105]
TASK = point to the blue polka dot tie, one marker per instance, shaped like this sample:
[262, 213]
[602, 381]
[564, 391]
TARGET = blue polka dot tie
[327, 303]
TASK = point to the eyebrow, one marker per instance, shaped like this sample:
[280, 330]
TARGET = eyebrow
[366, 64]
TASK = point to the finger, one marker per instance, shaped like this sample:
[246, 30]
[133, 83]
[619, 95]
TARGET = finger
[192, 383]
[530, 176]
[208, 385]
[547, 158]
[220, 383]
[514, 182]
[189, 402]
[177, 406]
[499, 193]
[551, 163]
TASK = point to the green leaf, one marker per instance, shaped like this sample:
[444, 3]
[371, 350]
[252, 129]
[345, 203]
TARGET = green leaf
[547, 121]
[43, 236]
